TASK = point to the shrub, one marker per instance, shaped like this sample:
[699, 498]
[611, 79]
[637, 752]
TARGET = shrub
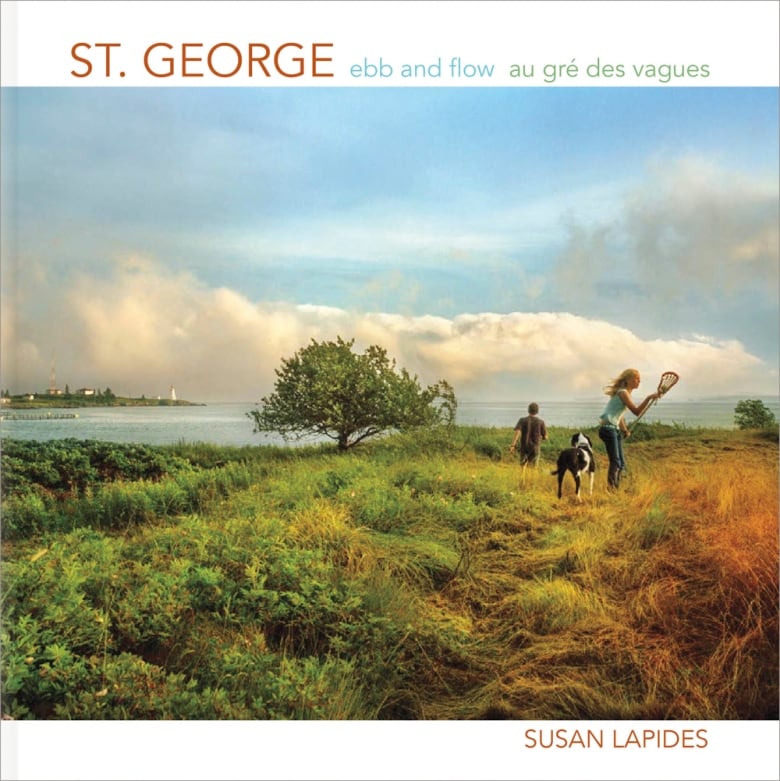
[70, 466]
[753, 413]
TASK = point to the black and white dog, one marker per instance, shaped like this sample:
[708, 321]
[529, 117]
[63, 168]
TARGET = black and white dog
[577, 459]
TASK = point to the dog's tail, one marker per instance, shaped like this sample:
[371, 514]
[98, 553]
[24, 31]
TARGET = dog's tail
[555, 472]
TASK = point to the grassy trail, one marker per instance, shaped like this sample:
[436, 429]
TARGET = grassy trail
[646, 603]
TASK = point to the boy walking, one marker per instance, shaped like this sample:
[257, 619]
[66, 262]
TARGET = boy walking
[531, 431]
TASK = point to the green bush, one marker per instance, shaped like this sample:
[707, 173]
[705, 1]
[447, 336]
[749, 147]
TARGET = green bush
[71, 466]
[128, 687]
[120, 504]
[753, 413]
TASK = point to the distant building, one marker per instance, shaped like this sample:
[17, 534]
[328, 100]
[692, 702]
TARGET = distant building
[173, 393]
[85, 392]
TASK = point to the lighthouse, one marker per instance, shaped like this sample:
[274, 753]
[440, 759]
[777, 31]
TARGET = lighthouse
[173, 393]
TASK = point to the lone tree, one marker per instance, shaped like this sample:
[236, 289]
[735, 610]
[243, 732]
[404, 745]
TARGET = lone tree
[326, 389]
[753, 413]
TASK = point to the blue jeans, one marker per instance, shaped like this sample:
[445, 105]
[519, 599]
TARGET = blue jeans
[612, 437]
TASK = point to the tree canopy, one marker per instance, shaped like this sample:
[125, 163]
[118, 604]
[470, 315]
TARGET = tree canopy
[327, 389]
[753, 413]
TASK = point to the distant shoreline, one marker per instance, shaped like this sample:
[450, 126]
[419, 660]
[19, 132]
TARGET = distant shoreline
[85, 404]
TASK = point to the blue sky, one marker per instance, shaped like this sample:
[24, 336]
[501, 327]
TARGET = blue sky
[517, 242]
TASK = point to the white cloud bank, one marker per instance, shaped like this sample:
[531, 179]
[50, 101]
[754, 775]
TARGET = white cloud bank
[690, 231]
[145, 328]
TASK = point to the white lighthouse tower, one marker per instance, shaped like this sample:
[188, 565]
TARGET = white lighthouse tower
[173, 393]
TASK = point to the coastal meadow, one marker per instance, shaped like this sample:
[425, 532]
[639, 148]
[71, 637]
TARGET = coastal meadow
[416, 577]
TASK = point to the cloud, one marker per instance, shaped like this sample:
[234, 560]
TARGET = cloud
[690, 229]
[143, 328]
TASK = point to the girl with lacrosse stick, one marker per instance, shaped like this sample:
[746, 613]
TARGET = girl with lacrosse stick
[613, 426]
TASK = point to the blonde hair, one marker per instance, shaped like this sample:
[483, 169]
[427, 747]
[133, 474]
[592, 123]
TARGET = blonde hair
[620, 381]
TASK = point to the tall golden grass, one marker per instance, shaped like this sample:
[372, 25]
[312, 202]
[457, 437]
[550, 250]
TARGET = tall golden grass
[656, 601]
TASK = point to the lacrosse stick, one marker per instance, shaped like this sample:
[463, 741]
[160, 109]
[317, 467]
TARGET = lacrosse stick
[668, 381]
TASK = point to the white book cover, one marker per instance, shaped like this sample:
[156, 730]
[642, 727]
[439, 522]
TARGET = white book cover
[523, 198]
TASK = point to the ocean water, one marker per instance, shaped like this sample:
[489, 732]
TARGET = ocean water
[228, 424]
[220, 424]
[700, 413]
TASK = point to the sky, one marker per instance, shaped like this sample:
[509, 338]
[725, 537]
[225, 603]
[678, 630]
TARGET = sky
[521, 243]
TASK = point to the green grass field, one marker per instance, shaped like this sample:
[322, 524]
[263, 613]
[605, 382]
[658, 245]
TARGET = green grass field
[418, 577]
